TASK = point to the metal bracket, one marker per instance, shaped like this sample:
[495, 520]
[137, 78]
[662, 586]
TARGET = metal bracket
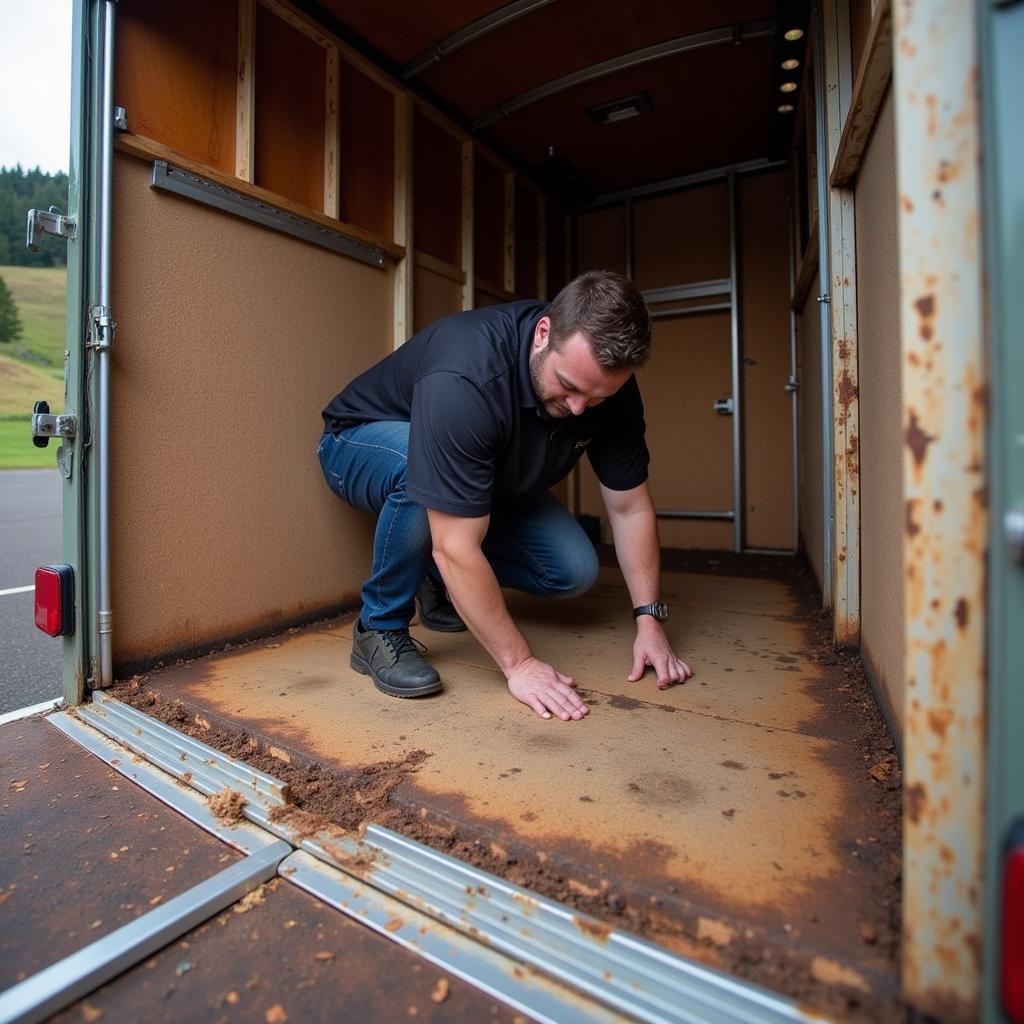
[792, 384]
[101, 328]
[121, 119]
[824, 298]
[65, 460]
[46, 425]
[724, 407]
[48, 222]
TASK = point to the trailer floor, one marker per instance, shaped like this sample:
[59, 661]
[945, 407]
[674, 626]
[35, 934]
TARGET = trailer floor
[749, 818]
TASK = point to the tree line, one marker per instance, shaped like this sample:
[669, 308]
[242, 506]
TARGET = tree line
[21, 191]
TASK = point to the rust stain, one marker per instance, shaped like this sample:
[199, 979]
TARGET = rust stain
[911, 527]
[847, 391]
[908, 205]
[925, 307]
[961, 612]
[914, 799]
[595, 929]
[917, 440]
[939, 720]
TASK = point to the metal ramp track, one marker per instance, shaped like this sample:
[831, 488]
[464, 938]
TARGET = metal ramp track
[531, 952]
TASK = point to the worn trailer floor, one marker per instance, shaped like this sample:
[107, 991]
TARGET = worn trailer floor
[749, 818]
[84, 851]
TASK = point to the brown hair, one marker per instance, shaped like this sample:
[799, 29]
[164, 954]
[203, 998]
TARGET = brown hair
[611, 312]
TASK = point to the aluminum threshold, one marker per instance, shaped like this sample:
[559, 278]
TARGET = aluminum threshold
[516, 936]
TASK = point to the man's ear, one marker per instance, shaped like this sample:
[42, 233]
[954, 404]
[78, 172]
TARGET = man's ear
[542, 333]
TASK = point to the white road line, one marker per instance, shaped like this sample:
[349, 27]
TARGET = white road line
[16, 590]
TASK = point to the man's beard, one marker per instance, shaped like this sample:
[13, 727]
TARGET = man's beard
[548, 408]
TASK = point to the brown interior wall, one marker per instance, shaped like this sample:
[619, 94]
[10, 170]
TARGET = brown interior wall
[434, 296]
[367, 153]
[221, 521]
[765, 330]
[437, 191]
[681, 238]
[526, 242]
[808, 333]
[601, 240]
[881, 452]
[176, 75]
[488, 221]
[860, 23]
[290, 110]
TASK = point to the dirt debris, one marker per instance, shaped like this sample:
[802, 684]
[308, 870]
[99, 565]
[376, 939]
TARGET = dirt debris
[227, 805]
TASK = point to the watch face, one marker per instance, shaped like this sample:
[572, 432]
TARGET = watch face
[660, 611]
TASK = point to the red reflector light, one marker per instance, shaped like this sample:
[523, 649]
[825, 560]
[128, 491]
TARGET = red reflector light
[55, 599]
[1012, 968]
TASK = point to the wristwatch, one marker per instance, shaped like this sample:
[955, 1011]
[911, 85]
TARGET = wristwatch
[659, 610]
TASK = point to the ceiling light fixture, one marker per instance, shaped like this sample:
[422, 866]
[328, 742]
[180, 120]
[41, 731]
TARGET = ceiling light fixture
[622, 109]
[787, 87]
[790, 65]
[793, 35]
[786, 108]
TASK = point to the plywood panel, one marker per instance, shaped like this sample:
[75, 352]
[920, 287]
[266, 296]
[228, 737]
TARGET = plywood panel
[489, 221]
[767, 406]
[435, 296]
[812, 524]
[526, 242]
[601, 240]
[437, 190]
[290, 111]
[881, 454]
[367, 146]
[682, 237]
[176, 75]
[247, 513]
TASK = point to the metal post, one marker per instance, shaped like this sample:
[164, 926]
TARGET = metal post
[945, 502]
[825, 321]
[103, 337]
[737, 395]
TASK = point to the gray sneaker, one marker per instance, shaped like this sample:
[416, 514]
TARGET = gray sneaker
[393, 659]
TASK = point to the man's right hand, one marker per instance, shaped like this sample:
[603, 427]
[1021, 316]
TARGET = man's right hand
[542, 687]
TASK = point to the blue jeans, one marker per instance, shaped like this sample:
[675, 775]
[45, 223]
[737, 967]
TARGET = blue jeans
[533, 543]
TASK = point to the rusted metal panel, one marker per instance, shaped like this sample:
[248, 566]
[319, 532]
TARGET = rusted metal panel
[842, 292]
[945, 491]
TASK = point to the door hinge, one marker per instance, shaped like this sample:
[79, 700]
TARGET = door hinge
[101, 328]
[48, 222]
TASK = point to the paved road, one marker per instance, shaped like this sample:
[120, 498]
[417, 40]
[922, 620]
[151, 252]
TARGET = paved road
[30, 661]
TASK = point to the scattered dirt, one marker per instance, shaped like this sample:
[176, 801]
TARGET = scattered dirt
[345, 800]
[227, 805]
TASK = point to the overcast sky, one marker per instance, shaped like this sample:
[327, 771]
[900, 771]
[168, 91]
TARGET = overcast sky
[35, 83]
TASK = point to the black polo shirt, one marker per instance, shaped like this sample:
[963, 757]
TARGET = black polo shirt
[476, 429]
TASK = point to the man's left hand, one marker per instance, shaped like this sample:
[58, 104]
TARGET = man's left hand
[651, 647]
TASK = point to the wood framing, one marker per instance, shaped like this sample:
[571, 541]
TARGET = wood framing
[509, 249]
[542, 248]
[868, 92]
[440, 267]
[331, 140]
[469, 278]
[494, 290]
[246, 93]
[842, 294]
[403, 217]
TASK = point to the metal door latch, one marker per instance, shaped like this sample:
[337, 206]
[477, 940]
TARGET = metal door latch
[48, 222]
[1013, 524]
[724, 407]
[45, 426]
